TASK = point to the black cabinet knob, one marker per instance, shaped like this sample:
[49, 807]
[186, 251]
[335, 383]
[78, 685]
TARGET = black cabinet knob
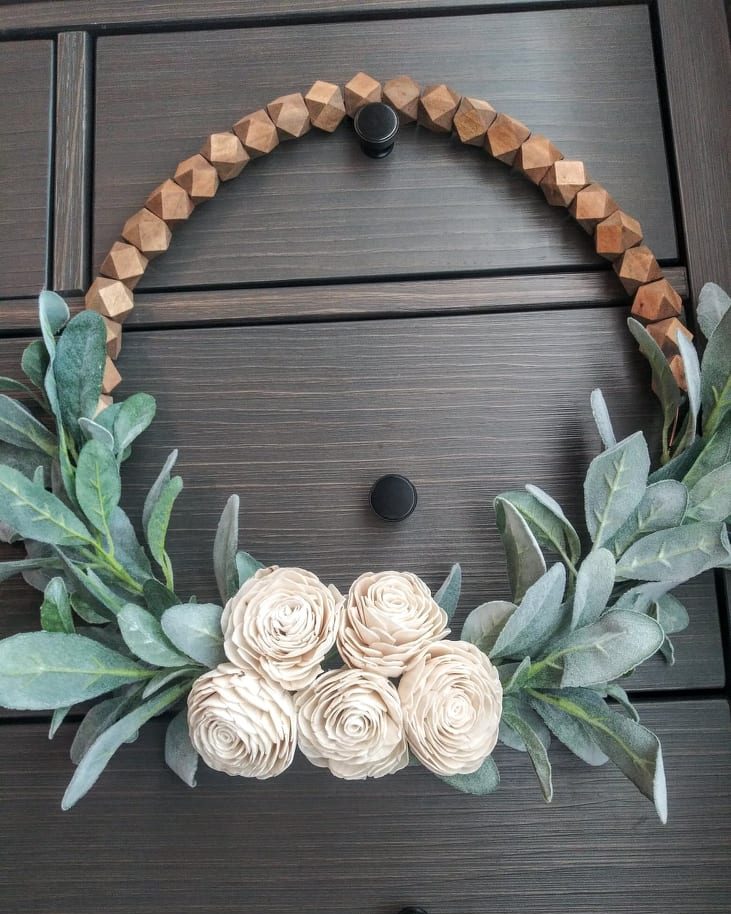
[412, 911]
[393, 497]
[376, 126]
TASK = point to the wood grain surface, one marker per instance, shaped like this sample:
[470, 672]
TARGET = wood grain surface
[305, 842]
[25, 107]
[317, 208]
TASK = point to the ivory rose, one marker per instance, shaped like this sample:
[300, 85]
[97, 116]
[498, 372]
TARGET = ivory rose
[452, 702]
[389, 618]
[350, 721]
[241, 723]
[283, 622]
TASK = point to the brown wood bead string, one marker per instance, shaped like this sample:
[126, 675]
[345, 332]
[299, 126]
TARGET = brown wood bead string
[565, 182]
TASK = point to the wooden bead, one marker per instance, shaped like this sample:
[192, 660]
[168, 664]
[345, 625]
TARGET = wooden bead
[615, 234]
[102, 403]
[147, 232]
[114, 337]
[472, 119]
[665, 333]
[325, 105]
[535, 157]
[110, 297]
[257, 133]
[504, 138]
[656, 301]
[592, 205]
[290, 116]
[198, 177]
[563, 180]
[124, 262]
[226, 153]
[359, 91]
[636, 267]
[437, 107]
[170, 202]
[402, 94]
[678, 369]
[111, 377]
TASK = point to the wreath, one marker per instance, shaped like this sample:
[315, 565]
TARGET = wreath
[367, 682]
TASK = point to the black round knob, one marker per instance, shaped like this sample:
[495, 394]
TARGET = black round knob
[376, 125]
[412, 911]
[393, 497]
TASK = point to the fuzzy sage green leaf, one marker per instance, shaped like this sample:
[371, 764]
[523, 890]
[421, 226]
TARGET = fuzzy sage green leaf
[36, 513]
[522, 553]
[677, 554]
[448, 594]
[195, 629]
[716, 376]
[664, 384]
[536, 619]
[78, 366]
[601, 419]
[534, 746]
[134, 415]
[483, 625]
[246, 567]
[594, 584]
[710, 498]
[480, 783]
[56, 608]
[145, 638]
[98, 486]
[20, 428]
[180, 755]
[225, 544]
[663, 505]
[157, 526]
[614, 486]
[713, 303]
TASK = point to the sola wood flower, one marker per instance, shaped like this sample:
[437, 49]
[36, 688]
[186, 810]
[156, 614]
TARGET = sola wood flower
[283, 622]
[452, 701]
[241, 723]
[351, 722]
[389, 618]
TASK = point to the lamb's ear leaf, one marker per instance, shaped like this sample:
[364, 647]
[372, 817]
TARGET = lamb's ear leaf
[664, 384]
[594, 584]
[692, 370]
[94, 431]
[677, 554]
[246, 567]
[157, 526]
[716, 376]
[602, 419]
[98, 486]
[662, 506]
[448, 594]
[712, 453]
[571, 732]
[21, 429]
[180, 755]
[78, 367]
[195, 629]
[34, 363]
[103, 748]
[56, 608]
[154, 494]
[158, 597]
[536, 619]
[534, 746]
[522, 553]
[483, 625]
[547, 521]
[134, 416]
[614, 485]
[36, 513]
[710, 497]
[480, 783]
[145, 638]
[713, 303]
[225, 545]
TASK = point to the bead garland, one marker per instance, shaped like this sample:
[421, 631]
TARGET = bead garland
[565, 182]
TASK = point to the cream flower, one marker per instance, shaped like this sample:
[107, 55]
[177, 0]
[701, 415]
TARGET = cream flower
[350, 721]
[283, 622]
[452, 700]
[241, 723]
[389, 618]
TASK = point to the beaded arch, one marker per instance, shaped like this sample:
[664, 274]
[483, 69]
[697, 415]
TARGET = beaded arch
[565, 182]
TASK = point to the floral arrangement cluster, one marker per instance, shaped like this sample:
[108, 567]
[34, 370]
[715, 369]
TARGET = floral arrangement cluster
[366, 683]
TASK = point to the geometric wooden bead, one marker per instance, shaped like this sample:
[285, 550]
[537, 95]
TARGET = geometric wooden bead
[402, 94]
[535, 157]
[111, 377]
[257, 132]
[665, 334]
[563, 180]
[472, 119]
[325, 105]
[437, 107]
[170, 202]
[114, 337]
[290, 116]
[677, 367]
[359, 91]
[592, 205]
[656, 301]
[198, 177]
[636, 267]
[124, 262]
[504, 138]
[110, 297]
[147, 232]
[225, 152]
[615, 234]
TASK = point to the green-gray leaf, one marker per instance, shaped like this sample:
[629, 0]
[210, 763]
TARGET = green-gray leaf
[127, 549]
[53, 310]
[34, 363]
[56, 608]
[716, 376]
[195, 629]
[46, 670]
[713, 303]
[484, 624]
[161, 679]
[614, 486]
[569, 731]
[144, 636]
[158, 522]
[246, 567]
[134, 416]
[37, 514]
[225, 545]
[536, 619]
[522, 553]
[19, 566]
[692, 370]
[602, 419]
[547, 521]
[670, 613]
[98, 486]
[594, 584]
[710, 498]
[24, 460]
[664, 384]
[19, 427]
[158, 597]
[482, 782]
[180, 755]
[99, 718]
[103, 748]
[663, 505]
[156, 488]
[78, 366]
[535, 748]
[448, 594]
[715, 452]
[96, 432]
[677, 554]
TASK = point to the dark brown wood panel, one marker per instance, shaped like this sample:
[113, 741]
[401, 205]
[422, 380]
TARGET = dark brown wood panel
[301, 419]
[25, 109]
[318, 208]
[305, 842]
